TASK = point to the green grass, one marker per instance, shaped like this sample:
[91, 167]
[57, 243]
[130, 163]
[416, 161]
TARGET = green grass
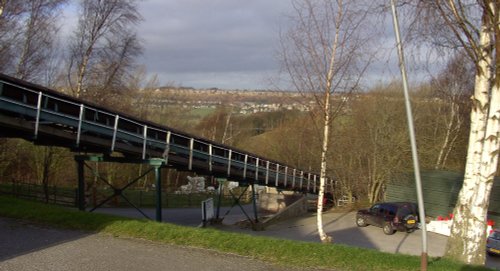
[202, 112]
[277, 251]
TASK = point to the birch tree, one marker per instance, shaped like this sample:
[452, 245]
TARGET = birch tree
[28, 31]
[10, 14]
[320, 54]
[475, 26]
[28, 37]
[37, 41]
[103, 45]
[451, 87]
[2, 4]
[217, 125]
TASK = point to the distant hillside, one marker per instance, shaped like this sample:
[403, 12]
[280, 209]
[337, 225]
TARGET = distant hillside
[245, 100]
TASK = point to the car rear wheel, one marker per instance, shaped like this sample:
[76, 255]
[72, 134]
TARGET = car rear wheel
[410, 222]
[388, 229]
[361, 222]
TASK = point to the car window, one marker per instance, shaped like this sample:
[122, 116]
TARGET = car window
[404, 211]
[495, 235]
[391, 210]
[375, 208]
[383, 210]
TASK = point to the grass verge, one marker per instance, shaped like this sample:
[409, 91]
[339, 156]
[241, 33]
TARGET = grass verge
[278, 251]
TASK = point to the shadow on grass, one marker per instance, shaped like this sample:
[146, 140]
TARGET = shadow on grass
[19, 237]
[27, 226]
[61, 217]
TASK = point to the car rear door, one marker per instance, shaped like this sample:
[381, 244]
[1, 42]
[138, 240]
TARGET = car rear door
[376, 215]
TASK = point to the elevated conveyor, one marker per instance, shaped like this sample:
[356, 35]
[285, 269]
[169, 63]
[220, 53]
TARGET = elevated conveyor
[48, 117]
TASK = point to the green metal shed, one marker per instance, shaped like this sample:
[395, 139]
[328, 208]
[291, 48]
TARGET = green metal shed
[440, 189]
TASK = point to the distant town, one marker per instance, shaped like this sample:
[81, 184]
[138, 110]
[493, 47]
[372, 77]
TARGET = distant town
[246, 101]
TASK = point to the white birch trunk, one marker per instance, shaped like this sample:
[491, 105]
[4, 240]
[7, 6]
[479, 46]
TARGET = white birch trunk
[326, 129]
[226, 127]
[322, 235]
[468, 232]
[452, 142]
[81, 74]
[449, 139]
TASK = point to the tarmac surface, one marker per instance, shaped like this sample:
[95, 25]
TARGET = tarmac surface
[340, 225]
[25, 246]
[30, 247]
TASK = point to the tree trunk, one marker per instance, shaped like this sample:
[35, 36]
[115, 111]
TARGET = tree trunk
[81, 74]
[374, 191]
[21, 71]
[451, 145]
[326, 129]
[447, 142]
[468, 231]
[226, 126]
[322, 235]
[2, 5]
[47, 163]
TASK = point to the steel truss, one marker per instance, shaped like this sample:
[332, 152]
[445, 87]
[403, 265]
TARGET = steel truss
[156, 165]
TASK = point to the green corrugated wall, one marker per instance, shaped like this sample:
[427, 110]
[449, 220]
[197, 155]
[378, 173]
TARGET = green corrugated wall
[440, 189]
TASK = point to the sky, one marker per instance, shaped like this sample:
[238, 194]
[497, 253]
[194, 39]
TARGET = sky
[227, 44]
[217, 43]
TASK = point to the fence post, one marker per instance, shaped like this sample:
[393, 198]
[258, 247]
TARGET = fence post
[81, 185]
[158, 193]
[166, 199]
[76, 197]
[254, 202]
[140, 198]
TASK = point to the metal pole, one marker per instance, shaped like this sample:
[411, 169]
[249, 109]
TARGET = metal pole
[81, 185]
[254, 201]
[115, 131]
[411, 129]
[219, 199]
[145, 141]
[158, 192]
[38, 111]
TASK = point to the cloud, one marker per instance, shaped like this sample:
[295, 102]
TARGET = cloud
[190, 41]
[233, 44]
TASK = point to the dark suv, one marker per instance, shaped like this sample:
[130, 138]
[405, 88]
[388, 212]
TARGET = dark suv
[391, 216]
[493, 243]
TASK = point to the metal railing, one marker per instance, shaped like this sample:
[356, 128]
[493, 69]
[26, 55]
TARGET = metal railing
[40, 114]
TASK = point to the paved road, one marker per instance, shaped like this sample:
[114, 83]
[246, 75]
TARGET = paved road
[31, 248]
[343, 230]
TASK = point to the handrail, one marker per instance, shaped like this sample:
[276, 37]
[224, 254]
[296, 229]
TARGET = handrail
[96, 129]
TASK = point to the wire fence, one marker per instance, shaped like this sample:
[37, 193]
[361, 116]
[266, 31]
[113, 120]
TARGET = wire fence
[142, 198]
[64, 196]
